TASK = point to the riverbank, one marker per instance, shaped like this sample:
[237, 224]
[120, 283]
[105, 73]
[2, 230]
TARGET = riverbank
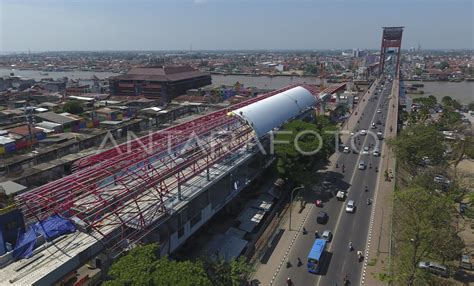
[461, 91]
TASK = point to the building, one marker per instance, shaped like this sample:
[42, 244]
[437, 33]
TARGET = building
[161, 83]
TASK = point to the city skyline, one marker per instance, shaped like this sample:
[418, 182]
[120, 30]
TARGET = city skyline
[85, 25]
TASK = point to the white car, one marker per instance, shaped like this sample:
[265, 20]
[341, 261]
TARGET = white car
[363, 132]
[327, 235]
[346, 150]
[350, 207]
[379, 110]
[365, 151]
[362, 165]
[376, 152]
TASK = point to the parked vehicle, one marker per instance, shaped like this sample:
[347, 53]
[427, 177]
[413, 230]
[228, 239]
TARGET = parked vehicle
[441, 180]
[466, 262]
[341, 195]
[435, 268]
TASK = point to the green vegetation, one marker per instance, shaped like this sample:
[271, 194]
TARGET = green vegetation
[294, 164]
[423, 230]
[141, 266]
[73, 107]
[416, 142]
[424, 216]
[311, 69]
[448, 102]
[443, 65]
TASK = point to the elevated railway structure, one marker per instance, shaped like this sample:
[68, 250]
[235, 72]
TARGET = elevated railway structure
[158, 188]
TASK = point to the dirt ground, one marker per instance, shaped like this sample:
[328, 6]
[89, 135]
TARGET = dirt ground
[466, 172]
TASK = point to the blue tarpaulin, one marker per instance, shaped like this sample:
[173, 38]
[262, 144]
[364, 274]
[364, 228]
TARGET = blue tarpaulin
[25, 245]
[54, 226]
[49, 228]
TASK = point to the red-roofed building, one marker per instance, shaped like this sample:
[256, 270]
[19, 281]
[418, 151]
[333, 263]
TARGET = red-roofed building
[161, 83]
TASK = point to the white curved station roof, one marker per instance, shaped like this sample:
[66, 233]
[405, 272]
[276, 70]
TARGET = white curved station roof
[273, 112]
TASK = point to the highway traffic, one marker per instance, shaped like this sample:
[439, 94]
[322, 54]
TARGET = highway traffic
[355, 173]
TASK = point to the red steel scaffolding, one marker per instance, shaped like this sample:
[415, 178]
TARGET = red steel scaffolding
[121, 192]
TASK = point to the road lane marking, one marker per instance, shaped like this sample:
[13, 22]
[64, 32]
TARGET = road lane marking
[350, 182]
[384, 149]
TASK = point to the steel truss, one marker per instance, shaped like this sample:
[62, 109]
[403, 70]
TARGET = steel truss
[121, 193]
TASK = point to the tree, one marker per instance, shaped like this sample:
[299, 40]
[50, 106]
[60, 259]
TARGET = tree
[423, 230]
[135, 268]
[416, 142]
[449, 120]
[443, 65]
[428, 102]
[141, 266]
[222, 273]
[449, 102]
[73, 107]
[301, 137]
[171, 272]
[311, 69]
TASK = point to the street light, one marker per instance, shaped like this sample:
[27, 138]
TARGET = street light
[291, 201]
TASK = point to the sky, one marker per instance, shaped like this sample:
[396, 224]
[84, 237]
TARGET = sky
[54, 25]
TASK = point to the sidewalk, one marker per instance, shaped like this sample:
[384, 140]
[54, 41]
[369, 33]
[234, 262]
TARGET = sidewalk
[266, 273]
[377, 255]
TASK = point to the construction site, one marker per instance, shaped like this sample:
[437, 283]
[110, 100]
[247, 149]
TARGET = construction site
[158, 188]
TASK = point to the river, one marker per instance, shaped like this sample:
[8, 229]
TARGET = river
[461, 91]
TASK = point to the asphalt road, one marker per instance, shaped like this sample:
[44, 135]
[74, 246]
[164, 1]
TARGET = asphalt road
[346, 227]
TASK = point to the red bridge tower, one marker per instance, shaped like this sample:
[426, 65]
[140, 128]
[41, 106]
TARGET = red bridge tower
[391, 38]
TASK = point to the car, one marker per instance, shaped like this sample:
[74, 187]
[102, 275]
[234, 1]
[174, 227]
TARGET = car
[322, 217]
[379, 110]
[441, 180]
[376, 152]
[434, 267]
[363, 132]
[327, 235]
[350, 207]
[465, 262]
[362, 165]
[346, 149]
[341, 195]
[365, 151]
[373, 125]
[352, 134]
[379, 135]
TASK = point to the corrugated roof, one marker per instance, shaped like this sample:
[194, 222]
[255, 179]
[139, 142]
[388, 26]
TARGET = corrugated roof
[23, 130]
[161, 74]
[6, 140]
[12, 188]
[56, 118]
[274, 111]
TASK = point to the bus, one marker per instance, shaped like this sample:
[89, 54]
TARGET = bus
[316, 255]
